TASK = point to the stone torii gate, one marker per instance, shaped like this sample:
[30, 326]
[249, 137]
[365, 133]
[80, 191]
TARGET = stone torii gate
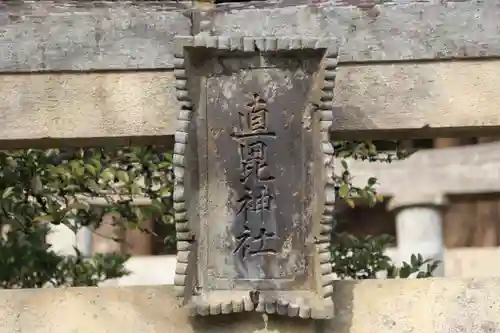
[251, 93]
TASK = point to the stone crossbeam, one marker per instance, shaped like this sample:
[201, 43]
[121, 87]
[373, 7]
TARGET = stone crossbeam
[104, 35]
[426, 305]
[93, 73]
[449, 171]
[48, 109]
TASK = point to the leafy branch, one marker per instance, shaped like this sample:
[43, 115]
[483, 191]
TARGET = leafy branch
[365, 257]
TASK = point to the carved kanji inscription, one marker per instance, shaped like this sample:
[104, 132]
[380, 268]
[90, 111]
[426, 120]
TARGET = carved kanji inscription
[252, 165]
[255, 226]
[259, 151]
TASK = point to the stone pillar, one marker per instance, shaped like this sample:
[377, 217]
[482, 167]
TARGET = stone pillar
[112, 236]
[84, 241]
[140, 242]
[419, 227]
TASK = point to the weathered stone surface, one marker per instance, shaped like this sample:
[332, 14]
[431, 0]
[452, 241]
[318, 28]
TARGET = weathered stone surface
[256, 126]
[133, 309]
[48, 35]
[61, 109]
[393, 30]
[419, 99]
[472, 262]
[89, 35]
[427, 305]
[370, 306]
[282, 93]
[383, 101]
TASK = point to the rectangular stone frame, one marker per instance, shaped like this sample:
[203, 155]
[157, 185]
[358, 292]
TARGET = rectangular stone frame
[318, 303]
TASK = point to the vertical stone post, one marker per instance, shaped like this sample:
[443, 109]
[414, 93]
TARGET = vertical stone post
[419, 227]
[112, 235]
[139, 242]
[84, 241]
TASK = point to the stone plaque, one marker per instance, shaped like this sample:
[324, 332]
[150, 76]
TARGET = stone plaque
[253, 164]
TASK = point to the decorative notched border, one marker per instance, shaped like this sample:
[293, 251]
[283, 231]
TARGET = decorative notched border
[185, 240]
[184, 235]
[325, 107]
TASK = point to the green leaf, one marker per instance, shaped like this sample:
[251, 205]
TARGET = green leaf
[413, 261]
[372, 149]
[169, 156]
[344, 190]
[7, 192]
[107, 175]
[344, 164]
[165, 192]
[157, 205]
[344, 153]
[79, 205]
[76, 168]
[372, 181]
[96, 163]
[138, 213]
[93, 186]
[36, 185]
[133, 225]
[45, 219]
[350, 202]
[91, 169]
[134, 189]
[370, 197]
[391, 272]
[405, 271]
[123, 177]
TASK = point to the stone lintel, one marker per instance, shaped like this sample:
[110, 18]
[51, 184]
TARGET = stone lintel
[101, 201]
[89, 35]
[448, 171]
[91, 109]
[406, 200]
[369, 32]
[46, 110]
[131, 35]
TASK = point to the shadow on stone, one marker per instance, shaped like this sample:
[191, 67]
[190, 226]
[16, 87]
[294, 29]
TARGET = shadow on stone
[343, 300]
[251, 322]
